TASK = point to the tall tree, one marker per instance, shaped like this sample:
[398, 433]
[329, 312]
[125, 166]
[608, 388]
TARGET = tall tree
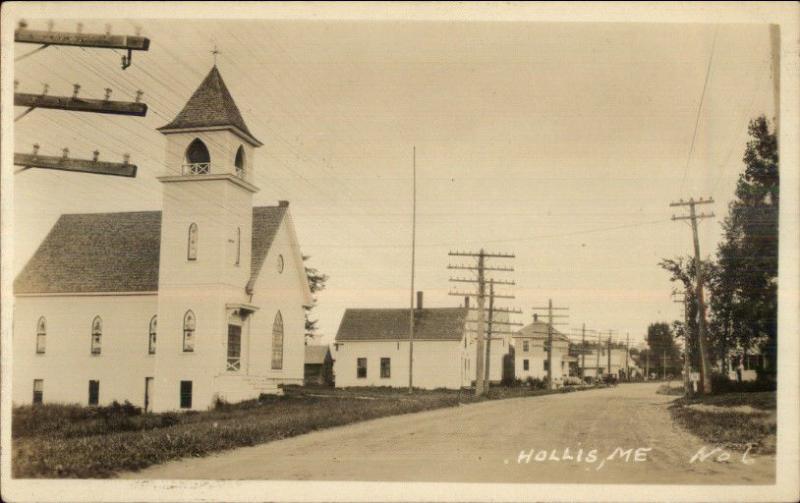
[316, 282]
[746, 282]
[662, 349]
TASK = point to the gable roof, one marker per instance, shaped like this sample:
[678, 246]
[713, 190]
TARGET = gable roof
[538, 330]
[315, 355]
[446, 323]
[118, 252]
[211, 105]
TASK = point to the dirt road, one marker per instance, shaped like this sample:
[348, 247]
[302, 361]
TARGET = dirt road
[517, 440]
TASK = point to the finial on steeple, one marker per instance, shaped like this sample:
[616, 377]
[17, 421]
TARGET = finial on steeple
[215, 52]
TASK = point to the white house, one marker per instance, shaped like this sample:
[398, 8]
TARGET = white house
[599, 360]
[530, 354]
[169, 309]
[372, 348]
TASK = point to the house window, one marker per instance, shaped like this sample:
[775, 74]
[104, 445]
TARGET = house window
[361, 368]
[189, 324]
[41, 335]
[151, 341]
[238, 245]
[546, 364]
[186, 394]
[94, 392]
[277, 342]
[97, 335]
[525, 365]
[191, 247]
[386, 367]
[525, 346]
[38, 391]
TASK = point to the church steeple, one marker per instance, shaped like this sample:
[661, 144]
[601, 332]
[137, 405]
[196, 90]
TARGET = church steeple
[211, 107]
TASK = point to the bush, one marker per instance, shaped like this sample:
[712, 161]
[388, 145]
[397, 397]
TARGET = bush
[720, 383]
[536, 383]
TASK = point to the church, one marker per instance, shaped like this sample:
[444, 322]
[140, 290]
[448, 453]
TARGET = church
[173, 309]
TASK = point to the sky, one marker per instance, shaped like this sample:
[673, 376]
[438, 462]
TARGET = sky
[562, 143]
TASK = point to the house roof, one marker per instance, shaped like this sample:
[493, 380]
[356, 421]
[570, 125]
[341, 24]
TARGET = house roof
[315, 355]
[211, 105]
[392, 324]
[538, 330]
[118, 252]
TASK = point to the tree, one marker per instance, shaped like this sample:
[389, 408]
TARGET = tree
[661, 344]
[316, 282]
[745, 283]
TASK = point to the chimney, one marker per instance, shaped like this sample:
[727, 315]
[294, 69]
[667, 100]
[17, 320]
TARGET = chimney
[535, 317]
[466, 301]
[419, 300]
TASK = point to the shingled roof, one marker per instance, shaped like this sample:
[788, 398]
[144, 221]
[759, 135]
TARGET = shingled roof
[538, 330]
[392, 324]
[211, 105]
[118, 252]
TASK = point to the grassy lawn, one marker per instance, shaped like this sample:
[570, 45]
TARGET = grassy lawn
[58, 441]
[731, 420]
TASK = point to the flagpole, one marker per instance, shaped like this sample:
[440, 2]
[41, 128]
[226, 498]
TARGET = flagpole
[413, 257]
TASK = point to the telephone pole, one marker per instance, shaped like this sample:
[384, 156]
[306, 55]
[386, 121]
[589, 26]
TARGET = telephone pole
[609, 352]
[583, 349]
[705, 365]
[627, 349]
[597, 368]
[481, 380]
[664, 365]
[550, 323]
[687, 384]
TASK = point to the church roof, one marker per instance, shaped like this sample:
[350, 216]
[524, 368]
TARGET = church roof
[211, 105]
[118, 252]
[444, 323]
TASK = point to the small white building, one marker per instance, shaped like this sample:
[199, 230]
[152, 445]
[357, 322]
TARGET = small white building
[372, 348]
[530, 354]
[169, 309]
[598, 360]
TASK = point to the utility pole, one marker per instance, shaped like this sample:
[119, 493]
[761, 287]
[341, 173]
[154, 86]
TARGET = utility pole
[481, 383]
[550, 323]
[73, 103]
[413, 258]
[597, 368]
[687, 384]
[627, 349]
[664, 365]
[705, 365]
[648, 364]
[487, 375]
[583, 349]
[609, 352]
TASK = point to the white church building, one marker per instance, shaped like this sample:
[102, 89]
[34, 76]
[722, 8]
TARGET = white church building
[169, 309]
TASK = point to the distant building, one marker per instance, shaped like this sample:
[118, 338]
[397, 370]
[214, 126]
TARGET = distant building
[592, 360]
[530, 353]
[318, 366]
[372, 348]
[169, 309]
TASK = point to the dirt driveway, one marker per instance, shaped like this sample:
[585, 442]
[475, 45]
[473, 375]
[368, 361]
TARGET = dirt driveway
[614, 435]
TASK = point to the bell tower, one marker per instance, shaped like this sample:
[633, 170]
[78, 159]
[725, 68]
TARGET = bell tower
[206, 235]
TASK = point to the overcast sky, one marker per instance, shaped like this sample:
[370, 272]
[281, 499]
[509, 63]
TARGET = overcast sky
[561, 143]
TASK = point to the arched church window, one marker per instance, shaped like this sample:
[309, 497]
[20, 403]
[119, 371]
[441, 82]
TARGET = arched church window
[151, 344]
[41, 335]
[277, 342]
[239, 162]
[97, 335]
[189, 323]
[198, 160]
[191, 249]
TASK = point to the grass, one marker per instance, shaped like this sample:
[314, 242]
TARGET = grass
[71, 441]
[731, 420]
